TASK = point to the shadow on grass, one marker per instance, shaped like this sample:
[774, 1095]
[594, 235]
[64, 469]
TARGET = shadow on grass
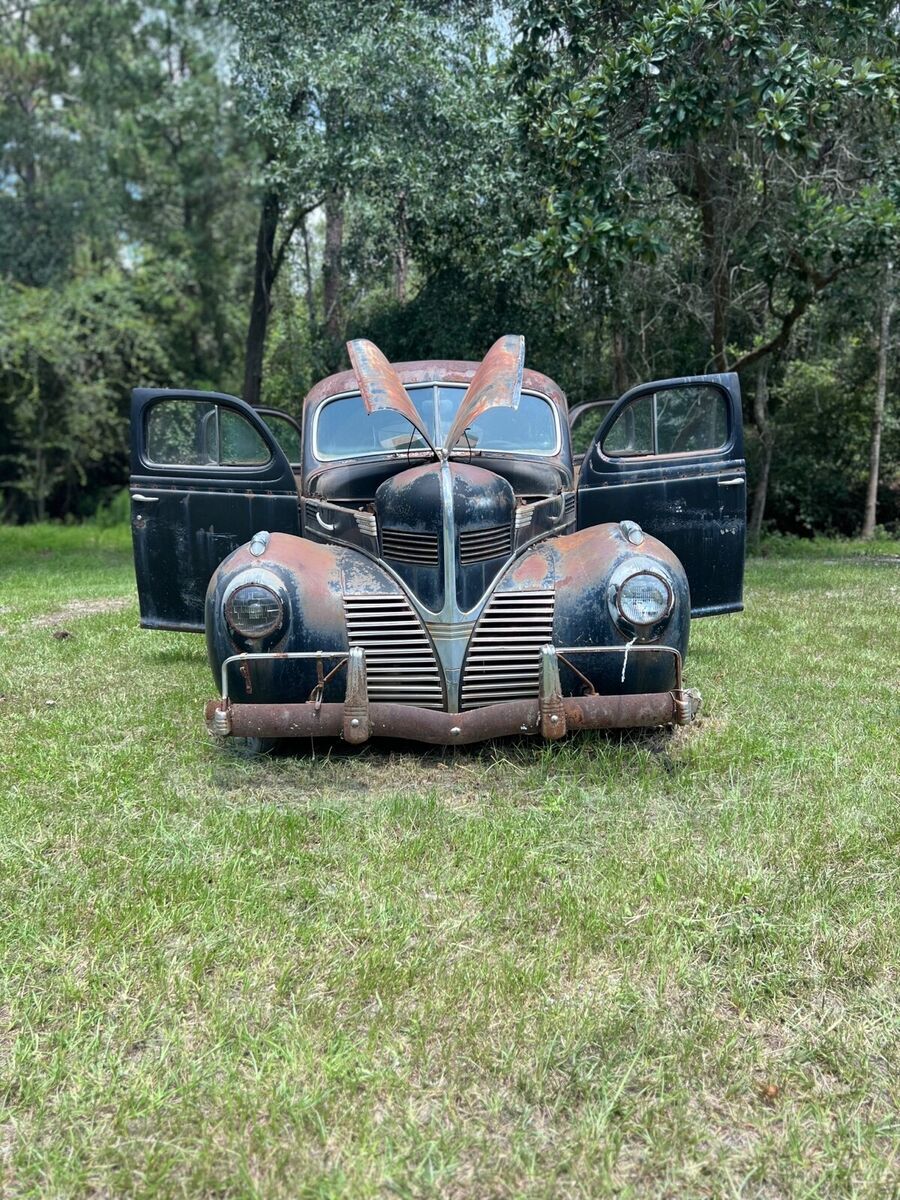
[382, 750]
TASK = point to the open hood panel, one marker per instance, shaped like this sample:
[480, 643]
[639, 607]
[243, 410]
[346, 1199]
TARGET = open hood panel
[496, 384]
[380, 386]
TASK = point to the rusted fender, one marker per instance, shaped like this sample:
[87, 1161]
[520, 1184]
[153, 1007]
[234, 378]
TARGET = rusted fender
[577, 567]
[311, 579]
[496, 384]
[380, 386]
[646, 710]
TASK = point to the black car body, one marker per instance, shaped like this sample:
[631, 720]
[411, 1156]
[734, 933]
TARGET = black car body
[428, 561]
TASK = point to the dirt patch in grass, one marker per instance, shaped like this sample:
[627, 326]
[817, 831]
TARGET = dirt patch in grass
[875, 560]
[81, 608]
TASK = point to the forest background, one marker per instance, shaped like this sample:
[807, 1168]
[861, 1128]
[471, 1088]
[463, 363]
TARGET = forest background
[218, 193]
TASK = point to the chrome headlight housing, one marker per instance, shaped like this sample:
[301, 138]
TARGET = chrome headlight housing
[641, 599]
[254, 605]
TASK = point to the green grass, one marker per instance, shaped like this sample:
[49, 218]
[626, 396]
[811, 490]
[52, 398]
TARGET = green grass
[641, 966]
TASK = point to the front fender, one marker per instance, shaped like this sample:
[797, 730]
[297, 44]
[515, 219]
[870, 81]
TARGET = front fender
[312, 580]
[579, 568]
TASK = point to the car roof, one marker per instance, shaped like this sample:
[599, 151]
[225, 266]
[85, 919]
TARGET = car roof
[431, 370]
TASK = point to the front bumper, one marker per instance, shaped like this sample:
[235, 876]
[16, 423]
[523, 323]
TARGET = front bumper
[550, 715]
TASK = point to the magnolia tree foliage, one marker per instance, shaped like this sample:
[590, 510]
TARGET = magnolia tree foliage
[762, 135]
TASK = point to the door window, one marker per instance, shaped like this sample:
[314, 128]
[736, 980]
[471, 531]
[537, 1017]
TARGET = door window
[184, 432]
[678, 420]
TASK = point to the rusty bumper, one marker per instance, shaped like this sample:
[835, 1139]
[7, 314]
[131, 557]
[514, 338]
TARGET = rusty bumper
[549, 714]
[442, 728]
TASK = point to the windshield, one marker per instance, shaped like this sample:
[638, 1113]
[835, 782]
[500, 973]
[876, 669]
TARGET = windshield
[343, 428]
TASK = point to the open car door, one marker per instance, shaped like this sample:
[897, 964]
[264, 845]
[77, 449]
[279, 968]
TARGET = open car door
[670, 456]
[206, 474]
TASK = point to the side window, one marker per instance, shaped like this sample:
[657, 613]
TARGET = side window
[286, 434]
[690, 419]
[680, 420]
[198, 433]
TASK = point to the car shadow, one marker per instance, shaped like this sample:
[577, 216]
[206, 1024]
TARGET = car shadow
[656, 741]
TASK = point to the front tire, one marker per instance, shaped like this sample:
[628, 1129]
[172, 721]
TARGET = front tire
[250, 747]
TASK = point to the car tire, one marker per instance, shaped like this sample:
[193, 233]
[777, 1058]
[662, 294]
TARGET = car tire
[250, 747]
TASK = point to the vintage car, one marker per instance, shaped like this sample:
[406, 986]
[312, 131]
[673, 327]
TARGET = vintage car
[426, 560]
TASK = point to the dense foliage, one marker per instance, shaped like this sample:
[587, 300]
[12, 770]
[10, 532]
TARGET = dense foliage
[217, 195]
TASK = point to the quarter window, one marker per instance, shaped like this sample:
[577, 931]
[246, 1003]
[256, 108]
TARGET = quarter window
[287, 435]
[198, 433]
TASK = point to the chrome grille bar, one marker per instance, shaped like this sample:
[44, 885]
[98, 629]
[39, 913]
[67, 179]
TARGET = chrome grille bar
[400, 664]
[504, 656]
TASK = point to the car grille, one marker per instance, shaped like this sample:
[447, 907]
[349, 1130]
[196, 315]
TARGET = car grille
[476, 545]
[569, 510]
[403, 546]
[400, 663]
[504, 656]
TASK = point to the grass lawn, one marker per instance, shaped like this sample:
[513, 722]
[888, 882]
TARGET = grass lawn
[640, 965]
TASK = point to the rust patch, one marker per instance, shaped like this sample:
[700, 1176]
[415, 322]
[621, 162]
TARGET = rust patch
[313, 563]
[380, 385]
[585, 556]
[534, 570]
[496, 384]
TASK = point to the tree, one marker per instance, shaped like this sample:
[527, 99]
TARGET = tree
[67, 357]
[765, 122]
[56, 189]
[345, 98]
[119, 214]
[177, 153]
[769, 126]
[886, 307]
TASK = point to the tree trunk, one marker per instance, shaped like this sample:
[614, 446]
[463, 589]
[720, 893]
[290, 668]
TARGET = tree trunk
[715, 256]
[401, 258]
[620, 360]
[264, 271]
[884, 334]
[764, 429]
[331, 266]
[308, 282]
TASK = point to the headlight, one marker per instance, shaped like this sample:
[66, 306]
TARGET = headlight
[643, 598]
[254, 610]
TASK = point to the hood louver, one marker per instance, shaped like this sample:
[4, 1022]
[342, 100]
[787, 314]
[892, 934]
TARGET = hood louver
[403, 546]
[476, 545]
